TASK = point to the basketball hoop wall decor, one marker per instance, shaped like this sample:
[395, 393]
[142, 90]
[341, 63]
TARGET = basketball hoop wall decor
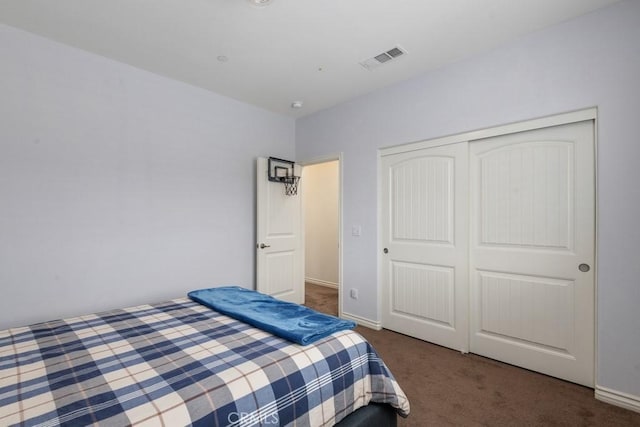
[282, 171]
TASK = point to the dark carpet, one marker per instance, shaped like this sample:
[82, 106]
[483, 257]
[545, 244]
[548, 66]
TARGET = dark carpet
[447, 388]
[321, 298]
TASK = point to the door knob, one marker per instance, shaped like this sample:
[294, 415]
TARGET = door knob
[262, 246]
[584, 267]
[385, 250]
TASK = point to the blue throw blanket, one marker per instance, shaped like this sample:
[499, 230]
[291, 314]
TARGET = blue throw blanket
[287, 320]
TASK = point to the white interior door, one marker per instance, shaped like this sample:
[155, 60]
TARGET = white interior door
[425, 270]
[280, 255]
[532, 234]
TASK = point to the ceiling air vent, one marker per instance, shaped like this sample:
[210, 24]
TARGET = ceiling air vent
[383, 58]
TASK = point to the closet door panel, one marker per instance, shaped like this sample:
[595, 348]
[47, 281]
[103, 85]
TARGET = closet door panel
[532, 226]
[424, 272]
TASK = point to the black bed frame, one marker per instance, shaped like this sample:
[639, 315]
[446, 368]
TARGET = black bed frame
[374, 414]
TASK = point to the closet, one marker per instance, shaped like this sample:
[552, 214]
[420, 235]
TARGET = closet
[488, 243]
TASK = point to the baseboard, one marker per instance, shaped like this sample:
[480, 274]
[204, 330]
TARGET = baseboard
[368, 323]
[618, 398]
[321, 283]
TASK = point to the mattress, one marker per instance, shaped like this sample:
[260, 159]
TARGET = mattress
[181, 363]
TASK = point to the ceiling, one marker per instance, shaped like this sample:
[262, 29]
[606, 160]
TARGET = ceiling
[290, 50]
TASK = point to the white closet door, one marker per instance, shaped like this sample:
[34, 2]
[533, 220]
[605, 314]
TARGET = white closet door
[532, 238]
[425, 270]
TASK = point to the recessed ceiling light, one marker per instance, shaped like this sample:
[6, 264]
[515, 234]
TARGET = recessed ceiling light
[260, 3]
[296, 104]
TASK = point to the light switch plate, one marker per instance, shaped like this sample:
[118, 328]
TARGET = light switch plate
[356, 230]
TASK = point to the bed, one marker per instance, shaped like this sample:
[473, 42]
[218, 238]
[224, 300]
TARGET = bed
[181, 363]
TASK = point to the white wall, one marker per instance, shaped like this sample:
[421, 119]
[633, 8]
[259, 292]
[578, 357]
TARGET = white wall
[320, 190]
[118, 186]
[593, 60]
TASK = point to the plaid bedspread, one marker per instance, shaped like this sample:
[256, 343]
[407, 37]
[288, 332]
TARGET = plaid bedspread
[180, 363]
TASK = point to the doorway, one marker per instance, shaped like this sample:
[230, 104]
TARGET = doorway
[321, 217]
